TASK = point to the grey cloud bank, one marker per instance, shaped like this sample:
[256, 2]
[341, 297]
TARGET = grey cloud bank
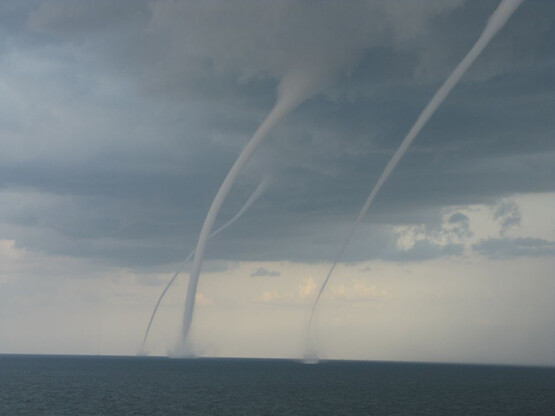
[119, 120]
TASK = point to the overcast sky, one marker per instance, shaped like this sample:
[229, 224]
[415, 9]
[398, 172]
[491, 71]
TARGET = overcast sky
[120, 119]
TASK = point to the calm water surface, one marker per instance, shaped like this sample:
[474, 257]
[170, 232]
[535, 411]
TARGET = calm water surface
[64, 385]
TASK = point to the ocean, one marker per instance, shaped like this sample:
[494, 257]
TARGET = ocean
[84, 385]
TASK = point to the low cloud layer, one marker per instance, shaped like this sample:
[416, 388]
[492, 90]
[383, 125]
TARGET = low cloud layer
[261, 271]
[515, 247]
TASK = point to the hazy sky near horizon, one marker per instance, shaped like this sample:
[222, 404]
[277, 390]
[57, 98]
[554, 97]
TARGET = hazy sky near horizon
[120, 119]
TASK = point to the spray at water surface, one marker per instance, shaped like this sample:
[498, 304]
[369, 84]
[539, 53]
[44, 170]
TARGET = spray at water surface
[260, 189]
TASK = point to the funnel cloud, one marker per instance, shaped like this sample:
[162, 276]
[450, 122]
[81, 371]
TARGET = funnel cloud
[496, 21]
[260, 189]
[294, 88]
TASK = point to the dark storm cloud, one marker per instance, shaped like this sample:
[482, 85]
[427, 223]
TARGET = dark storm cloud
[460, 219]
[460, 225]
[120, 119]
[67, 18]
[508, 215]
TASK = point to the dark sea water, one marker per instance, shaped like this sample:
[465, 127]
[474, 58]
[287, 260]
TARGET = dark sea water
[64, 385]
